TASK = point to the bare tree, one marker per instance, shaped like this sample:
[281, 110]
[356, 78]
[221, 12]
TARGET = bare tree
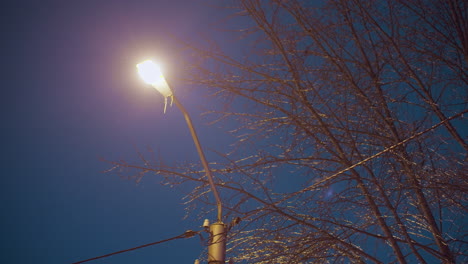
[350, 126]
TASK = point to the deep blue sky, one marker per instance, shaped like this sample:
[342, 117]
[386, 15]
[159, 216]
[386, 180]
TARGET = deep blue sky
[70, 94]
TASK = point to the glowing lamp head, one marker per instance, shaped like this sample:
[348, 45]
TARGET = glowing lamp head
[151, 73]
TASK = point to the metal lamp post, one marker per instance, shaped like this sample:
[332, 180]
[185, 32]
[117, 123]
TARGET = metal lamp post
[151, 74]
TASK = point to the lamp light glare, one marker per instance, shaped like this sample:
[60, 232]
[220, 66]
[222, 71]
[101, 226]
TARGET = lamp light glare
[151, 74]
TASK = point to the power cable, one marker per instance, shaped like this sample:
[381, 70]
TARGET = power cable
[186, 234]
[379, 153]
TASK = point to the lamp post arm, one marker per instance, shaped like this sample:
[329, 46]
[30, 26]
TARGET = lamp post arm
[202, 155]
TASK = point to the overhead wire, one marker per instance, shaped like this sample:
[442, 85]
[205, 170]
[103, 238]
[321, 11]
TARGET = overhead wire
[186, 234]
[460, 114]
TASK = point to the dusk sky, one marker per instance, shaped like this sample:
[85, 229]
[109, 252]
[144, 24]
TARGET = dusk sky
[71, 96]
[72, 102]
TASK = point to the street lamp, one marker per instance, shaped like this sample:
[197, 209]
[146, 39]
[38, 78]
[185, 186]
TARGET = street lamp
[152, 75]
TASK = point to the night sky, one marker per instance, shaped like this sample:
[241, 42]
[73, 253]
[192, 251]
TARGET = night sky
[71, 96]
